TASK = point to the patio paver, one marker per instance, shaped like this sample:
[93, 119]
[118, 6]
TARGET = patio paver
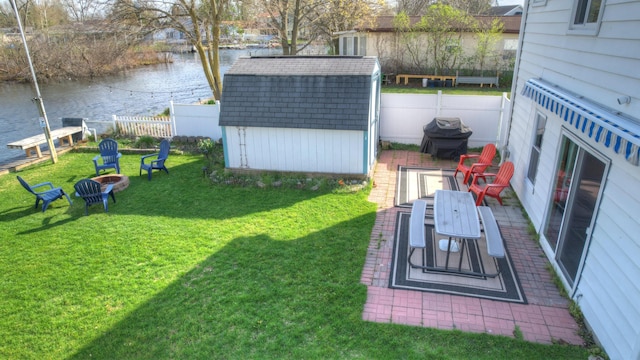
[546, 317]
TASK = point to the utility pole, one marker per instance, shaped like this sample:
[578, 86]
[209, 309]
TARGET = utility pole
[44, 122]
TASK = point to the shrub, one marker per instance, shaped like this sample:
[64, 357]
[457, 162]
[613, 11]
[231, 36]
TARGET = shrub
[144, 142]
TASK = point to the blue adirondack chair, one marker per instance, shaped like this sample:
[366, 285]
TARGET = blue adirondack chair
[109, 155]
[91, 192]
[158, 162]
[46, 196]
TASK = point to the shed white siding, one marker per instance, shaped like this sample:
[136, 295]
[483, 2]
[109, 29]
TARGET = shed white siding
[601, 68]
[295, 150]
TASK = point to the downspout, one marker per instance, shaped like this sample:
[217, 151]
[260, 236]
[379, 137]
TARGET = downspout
[516, 68]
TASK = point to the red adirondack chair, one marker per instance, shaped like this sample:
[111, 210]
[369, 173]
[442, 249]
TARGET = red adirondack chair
[483, 160]
[494, 189]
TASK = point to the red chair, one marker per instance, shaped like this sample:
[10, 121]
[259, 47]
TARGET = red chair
[494, 189]
[483, 161]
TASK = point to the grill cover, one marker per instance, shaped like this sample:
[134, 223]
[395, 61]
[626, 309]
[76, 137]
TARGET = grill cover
[445, 138]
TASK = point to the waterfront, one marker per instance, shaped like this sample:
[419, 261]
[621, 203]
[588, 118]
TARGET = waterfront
[143, 91]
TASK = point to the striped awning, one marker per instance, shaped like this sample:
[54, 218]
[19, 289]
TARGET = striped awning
[614, 131]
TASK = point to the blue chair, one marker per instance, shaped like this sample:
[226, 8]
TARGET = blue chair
[109, 154]
[158, 162]
[91, 192]
[46, 196]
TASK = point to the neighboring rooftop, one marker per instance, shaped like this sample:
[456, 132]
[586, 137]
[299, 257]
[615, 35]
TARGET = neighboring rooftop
[507, 10]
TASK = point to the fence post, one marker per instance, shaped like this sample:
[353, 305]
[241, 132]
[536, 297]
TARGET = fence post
[115, 126]
[439, 103]
[172, 116]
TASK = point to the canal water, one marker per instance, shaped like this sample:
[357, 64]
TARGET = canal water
[143, 91]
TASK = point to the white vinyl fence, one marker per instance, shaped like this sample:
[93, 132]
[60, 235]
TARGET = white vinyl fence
[402, 118]
[185, 120]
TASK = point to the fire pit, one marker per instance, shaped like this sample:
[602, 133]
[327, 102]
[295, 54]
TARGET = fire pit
[119, 182]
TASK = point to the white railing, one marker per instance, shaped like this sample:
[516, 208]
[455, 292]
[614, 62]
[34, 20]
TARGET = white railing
[156, 126]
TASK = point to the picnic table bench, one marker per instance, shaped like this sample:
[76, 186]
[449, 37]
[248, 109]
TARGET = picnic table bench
[495, 244]
[31, 145]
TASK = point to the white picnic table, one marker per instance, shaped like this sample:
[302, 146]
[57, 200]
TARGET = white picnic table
[456, 216]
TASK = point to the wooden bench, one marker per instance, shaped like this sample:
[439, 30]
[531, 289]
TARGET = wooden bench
[406, 78]
[478, 80]
[31, 145]
[495, 245]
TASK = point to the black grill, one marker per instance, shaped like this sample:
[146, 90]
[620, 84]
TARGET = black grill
[445, 138]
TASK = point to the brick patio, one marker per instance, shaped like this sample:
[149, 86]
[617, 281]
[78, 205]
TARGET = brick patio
[545, 319]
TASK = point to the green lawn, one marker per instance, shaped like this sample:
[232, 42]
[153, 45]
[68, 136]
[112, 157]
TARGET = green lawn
[183, 269]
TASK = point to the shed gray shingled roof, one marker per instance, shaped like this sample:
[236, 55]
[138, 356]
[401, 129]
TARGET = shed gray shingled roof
[323, 92]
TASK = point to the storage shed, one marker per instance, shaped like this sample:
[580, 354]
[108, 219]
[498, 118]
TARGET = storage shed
[310, 114]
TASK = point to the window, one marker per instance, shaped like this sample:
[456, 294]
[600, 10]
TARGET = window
[587, 11]
[363, 46]
[354, 45]
[587, 16]
[534, 158]
[509, 50]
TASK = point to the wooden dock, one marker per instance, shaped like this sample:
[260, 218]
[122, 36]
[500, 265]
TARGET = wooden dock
[31, 145]
[23, 162]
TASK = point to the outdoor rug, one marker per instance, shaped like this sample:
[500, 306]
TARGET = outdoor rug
[504, 287]
[420, 183]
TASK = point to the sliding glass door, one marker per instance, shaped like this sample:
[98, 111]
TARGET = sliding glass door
[579, 180]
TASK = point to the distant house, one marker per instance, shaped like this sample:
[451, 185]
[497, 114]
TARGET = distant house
[384, 41]
[575, 141]
[310, 114]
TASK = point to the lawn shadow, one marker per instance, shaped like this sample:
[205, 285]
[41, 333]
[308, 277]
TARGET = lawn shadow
[255, 298]
[18, 212]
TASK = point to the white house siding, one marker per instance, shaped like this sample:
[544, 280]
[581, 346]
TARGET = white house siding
[600, 68]
[297, 150]
[608, 290]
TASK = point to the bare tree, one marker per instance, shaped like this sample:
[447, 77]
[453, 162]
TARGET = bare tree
[412, 54]
[413, 7]
[341, 15]
[487, 36]
[83, 10]
[199, 21]
[419, 7]
[444, 26]
[293, 20]
[469, 7]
